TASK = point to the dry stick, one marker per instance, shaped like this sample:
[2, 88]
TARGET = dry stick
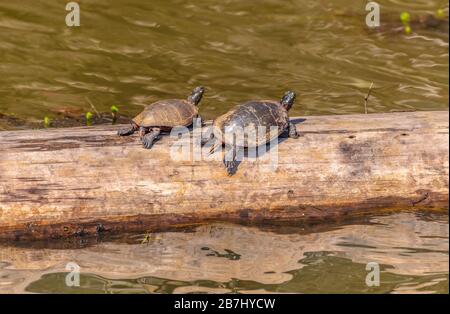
[366, 99]
[93, 107]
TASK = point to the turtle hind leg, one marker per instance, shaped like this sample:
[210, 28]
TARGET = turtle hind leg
[127, 131]
[149, 138]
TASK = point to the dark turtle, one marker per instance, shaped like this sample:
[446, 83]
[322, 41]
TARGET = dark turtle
[247, 117]
[163, 115]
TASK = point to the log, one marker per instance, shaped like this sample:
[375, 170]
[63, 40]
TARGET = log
[88, 181]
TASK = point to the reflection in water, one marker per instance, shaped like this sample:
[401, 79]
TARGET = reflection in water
[412, 251]
[129, 53]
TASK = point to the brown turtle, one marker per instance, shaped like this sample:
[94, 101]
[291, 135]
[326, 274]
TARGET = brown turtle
[247, 118]
[163, 115]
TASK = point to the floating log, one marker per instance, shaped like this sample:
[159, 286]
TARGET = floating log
[88, 181]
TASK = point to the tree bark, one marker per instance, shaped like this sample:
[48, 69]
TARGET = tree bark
[88, 181]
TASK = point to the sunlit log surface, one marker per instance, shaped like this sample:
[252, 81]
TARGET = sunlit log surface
[87, 180]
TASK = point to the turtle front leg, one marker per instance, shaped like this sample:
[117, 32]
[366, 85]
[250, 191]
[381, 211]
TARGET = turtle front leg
[292, 130]
[127, 131]
[149, 138]
[230, 162]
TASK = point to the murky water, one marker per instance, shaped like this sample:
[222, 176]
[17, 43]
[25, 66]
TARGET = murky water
[132, 52]
[411, 250]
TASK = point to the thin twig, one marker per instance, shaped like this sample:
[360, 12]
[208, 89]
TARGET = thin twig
[366, 99]
[93, 107]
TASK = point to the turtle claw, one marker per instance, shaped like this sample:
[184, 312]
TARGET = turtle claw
[149, 138]
[294, 136]
[126, 132]
[231, 167]
[292, 131]
[148, 142]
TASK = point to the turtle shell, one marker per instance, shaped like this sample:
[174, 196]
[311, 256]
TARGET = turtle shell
[245, 120]
[167, 114]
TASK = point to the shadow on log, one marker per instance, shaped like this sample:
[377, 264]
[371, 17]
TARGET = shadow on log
[88, 181]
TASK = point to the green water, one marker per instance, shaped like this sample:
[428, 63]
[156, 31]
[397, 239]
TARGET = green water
[130, 53]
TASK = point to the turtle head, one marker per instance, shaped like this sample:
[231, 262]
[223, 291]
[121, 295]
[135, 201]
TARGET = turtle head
[196, 95]
[288, 100]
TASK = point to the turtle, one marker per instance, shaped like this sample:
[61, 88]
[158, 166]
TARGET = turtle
[247, 117]
[163, 115]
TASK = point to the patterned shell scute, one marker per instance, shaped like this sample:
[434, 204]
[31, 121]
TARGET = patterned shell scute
[167, 113]
[252, 123]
